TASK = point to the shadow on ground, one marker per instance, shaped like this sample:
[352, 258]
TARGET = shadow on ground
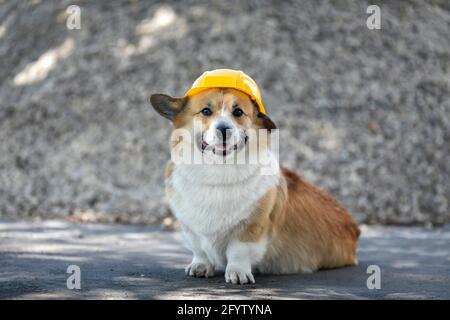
[135, 262]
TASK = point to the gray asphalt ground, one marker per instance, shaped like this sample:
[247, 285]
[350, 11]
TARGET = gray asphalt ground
[145, 262]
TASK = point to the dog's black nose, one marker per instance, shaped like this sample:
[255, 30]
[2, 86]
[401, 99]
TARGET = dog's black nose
[223, 131]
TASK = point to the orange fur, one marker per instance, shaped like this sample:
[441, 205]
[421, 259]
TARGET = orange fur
[307, 227]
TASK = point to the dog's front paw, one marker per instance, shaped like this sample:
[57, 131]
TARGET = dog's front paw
[199, 270]
[238, 275]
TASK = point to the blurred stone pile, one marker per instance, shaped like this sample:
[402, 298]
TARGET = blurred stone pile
[363, 113]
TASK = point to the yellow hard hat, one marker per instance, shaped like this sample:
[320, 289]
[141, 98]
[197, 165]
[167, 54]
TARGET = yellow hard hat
[227, 78]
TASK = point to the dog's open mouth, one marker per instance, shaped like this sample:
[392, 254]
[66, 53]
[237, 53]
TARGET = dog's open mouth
[223, 148]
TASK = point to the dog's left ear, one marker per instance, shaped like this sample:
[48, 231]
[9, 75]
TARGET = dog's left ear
[167, 106]
[266, 122]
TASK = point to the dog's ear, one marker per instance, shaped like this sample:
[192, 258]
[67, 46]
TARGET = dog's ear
[167, 106]
[266, 122]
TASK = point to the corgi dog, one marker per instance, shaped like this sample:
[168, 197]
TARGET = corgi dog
[236, 219]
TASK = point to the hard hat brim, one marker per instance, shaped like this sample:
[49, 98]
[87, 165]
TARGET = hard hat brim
[193, 91]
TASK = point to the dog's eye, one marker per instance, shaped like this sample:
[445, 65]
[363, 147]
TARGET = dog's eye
[238, 112]
[206, 112]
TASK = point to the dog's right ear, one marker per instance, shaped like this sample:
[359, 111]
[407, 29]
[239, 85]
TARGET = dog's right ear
[167, 106]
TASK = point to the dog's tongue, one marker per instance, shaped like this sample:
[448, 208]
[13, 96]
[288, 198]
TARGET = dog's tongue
[222, 147]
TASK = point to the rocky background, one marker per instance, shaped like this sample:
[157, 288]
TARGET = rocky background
[365, 114]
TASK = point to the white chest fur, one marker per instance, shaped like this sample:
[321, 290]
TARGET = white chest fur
[212, 199]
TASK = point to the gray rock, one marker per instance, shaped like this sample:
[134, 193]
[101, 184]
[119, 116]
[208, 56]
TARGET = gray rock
[363, 113]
